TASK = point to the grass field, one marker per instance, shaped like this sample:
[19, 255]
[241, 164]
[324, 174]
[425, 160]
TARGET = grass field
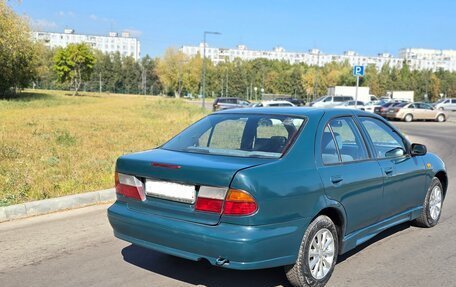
[52, 144]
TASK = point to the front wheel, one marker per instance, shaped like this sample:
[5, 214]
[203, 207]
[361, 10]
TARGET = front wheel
[317, 255]
[432, 206]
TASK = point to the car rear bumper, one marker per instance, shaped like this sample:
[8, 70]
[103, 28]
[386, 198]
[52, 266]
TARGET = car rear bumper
[393, 116]
[245, 247]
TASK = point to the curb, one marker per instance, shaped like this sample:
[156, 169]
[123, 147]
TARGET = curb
[41, 207]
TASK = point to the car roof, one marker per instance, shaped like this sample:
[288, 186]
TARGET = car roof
[275, 102]
[297, 111]
[227, 98]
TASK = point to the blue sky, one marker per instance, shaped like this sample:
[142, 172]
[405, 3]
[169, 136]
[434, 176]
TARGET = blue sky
[367, 27]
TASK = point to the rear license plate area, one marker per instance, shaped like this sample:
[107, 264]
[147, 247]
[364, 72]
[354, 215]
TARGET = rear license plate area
[170, 191]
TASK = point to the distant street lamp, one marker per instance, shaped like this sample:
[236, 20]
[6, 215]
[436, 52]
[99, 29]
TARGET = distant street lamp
[203, 84]
[255, 89]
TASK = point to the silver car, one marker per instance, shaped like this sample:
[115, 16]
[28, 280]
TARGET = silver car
[446, 105]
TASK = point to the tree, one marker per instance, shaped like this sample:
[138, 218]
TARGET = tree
[18, 54]
[74, 64]
[169, 69]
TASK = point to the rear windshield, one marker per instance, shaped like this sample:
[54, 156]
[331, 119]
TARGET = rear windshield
[241, 135]
[228, 101]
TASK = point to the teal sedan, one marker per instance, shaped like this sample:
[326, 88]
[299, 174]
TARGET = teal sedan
[265, 187]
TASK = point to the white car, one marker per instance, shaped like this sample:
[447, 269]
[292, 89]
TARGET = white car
[371, 106]
[351, 105]
[330, 101]
[275, 104]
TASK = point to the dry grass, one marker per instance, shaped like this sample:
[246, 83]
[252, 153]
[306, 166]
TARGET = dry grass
[52, 144]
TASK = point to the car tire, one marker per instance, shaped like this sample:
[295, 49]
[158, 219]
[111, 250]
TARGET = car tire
[408, 118]
[441, 118]
[322, 229]
[432, 206]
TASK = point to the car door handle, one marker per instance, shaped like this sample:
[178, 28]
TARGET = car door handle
[388, 171]
[336, 179]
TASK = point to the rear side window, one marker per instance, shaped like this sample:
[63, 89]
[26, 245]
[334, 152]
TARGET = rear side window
[338, 99]
[342, 142]
[453, 101]
[387, 142]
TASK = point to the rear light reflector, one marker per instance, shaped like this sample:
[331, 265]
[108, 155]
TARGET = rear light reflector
[209, 205]
[129, 186]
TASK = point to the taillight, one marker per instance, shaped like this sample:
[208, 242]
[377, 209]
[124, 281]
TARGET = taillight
[239, 202]
[129, 186]
[218, 200]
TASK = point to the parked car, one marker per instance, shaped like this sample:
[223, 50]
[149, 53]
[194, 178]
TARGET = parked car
[225, 103]
[416, 111]
[351, 105]
[370, 106]
[294, 101]
[274, 104]
[259, 188]
[330, 101]
[383, 109]
[446, 105]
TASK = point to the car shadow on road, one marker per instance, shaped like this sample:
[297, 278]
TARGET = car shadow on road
[201, 273]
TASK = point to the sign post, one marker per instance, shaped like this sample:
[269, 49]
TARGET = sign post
[358, 71]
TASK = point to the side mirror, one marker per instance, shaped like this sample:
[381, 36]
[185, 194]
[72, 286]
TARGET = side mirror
[418, 149]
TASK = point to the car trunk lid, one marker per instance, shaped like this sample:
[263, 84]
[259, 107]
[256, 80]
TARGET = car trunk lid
[181, 171]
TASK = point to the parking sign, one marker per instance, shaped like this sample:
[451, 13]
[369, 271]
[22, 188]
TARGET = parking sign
[358, 71]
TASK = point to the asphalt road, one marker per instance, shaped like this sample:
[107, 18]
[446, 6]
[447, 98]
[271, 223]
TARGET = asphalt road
[77, 248]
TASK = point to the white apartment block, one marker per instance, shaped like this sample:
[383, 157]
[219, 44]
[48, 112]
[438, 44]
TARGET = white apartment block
[429, 59]
[123, 43]
[316, 57]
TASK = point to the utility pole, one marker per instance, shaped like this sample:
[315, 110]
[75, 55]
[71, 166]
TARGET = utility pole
[226, 83]
[203, 81]
[101, 88]
[316, 76]
[144, 81]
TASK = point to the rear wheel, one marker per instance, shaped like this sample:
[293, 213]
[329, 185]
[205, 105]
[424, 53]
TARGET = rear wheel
[441, 118]
[408, 118]
[432, 206]
[317, 255]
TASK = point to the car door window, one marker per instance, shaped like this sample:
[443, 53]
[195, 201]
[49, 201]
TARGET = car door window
[342, 142]
[387, 143]
[349, 142]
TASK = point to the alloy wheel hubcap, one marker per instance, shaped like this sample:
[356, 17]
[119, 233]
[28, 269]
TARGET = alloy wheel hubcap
[321, 253]
[435, 202]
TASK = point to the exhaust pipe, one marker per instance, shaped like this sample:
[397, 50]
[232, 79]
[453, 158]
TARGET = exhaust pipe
[222, 261]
